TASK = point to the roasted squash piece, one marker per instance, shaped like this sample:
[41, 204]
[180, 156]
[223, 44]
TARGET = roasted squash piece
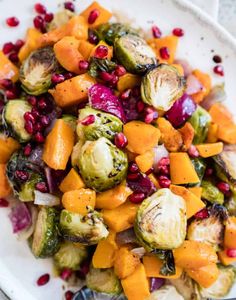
[7, 146]
[5, 189]
[128, 81]
[230, 233]
[145, 161]
[72, 181]
[7, 69]
[204, 276]
[205, 80]
[208, 150]
[32, 43]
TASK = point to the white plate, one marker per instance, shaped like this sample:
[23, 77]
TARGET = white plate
[203, 38]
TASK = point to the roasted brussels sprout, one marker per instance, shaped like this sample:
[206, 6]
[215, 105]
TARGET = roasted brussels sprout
[161, 221]
[46, 238]
[87, 294]
[70, 120]
[223, 284]
[37, 69]
[60, 18]
[211, 193]
[162, 86]
[105, 125]
[199, 166]
[103, 281]
[13, 119]
[166, 292]
[86, 230]
[230, 205]
[98, 65]
[70, 256]
[102, 165]
[200, 120]
[134, 53]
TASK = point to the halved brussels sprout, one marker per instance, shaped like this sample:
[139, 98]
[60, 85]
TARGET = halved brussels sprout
[70, 256]
[167, 292]
[200, 120]
[70, 120]
[161, 221]
[60, 18]
[162, 86]
[86, 230]
[134, 53]
[102, 165]
[211, 193]
[223, 284]
[46, 238]
[103, 281]
[36, 71]
[27, 189]
[105, 125]
[13, 117]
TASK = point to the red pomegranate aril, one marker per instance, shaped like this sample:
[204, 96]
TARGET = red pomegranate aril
[83, 65]
[6, 83]
[223, 187]
[101, 52]
[133, 167]
[193, 152]
[126, 94]
[106, 76]
[14, 57]
[41, 187]
[68, 75]
[29, 127]
[27, 150]
[45, 121]
[133, 176]
[121, 140]
[39, 137]
[10, 94]
[94, 14]
[209, 171]
[66, 274]
[231, 252]
[19, 44]
[32, 100]
[57, 78]
[29, 117]
[202, 214]
[42, 104]
[90, 119]
[21, 175]
[148, 172]
[48, 17]
[164, 53]
[164, 170]
[69, 295]
[120, 71]
[4, 202]
[69, 5]
[44, 279]
[38, 22]
[35, 113]
[219, 70]
[217, 59]
[149, 118]
[164, 181]
[92, 38]
[38, 127]
[140, 106]
[114, 80]
[40, 8]
[136, 197]
[178, 32]
[8, 47]
[164, 161]
[156, 32]
[12, 21]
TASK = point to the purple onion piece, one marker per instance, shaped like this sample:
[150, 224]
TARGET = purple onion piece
[142, 185]
[193, 85]
[20, 217]
[156, 283]
[130, 109]
[102, 98]
[181, 111]
[125, 237]
[52, 186]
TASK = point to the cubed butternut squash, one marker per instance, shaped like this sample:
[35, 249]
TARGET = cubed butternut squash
[230, 233]
[7, 146]
[208, 150]
[5, 189]
[121, 217]
[113, 198]
[196, 190]
[212, 135]
[32, 43]
[102, 43]
[227, 133]
[153, 265]
[225, 259]
[141, 137]
[205, 80]
[72, 91]
[187, 132]
[58, 145]
[145, 161]
[72, 181]
[204, 276]
[194, 255]
[85, 48]
[7, 69]
[220, 114]
[181, 169]
[136, 286]
[128, 81]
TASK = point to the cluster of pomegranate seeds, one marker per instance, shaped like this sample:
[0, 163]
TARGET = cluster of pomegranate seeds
[66, 274]
[101, 52]
[137, 197]
[69, 5]
[8, 47]
[40, 8]
[193, 152]
[41, 187]
[164, 181]
[92, 37]
[94, 14]
[219, 70]
[12, 50]
[121, 140]
[57, 78]
[22, 175]
[231, 252]
[27, 150]
[69, 295]
[156, 32]
[164, 53]
[39, 23]
[90, 119]
[44, 279]
[223, 187]
[150, 115]
[133, 167]
[12, 21]
[120, 71]
[178, 32]
[163, 166]
[4, 202]
[83, 65]
[202, 214]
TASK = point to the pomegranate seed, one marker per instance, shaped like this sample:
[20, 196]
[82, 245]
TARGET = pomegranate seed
[38, 127]
[57, 78]
[219, 70]
[106, 76]
[164, 161]
[8, 47]
[48, 17]
[70, 6]
[156, 32]
[148, 172]
[133, 167]
[136, 197]
[140, 106]
[6, 83]
[217, 59]
[94, 14]
[136, 91]
[44, 279]
[120, 71]
[35, 113]
[231, 252]
[164, 181]
[192, 151]
[42, 187]
[208, 172]
[163, 166]
[92, 37]
[10, 94]
[66, 274]
[101, 52]
[202, 214]
[29, 127]
[27, 150]
[178, 32]
[45, 121]
[223, 187]
[114, 80]
[12, 21]
[42, 104]
[68, 75]
[83, 65]
[38, 22]
[14, 57]
[18, 44]
[29, 117]
[164, 53]
[133, 176]
[39, 137]
[121, 140]
[90, 119]
[4, 202]
[32, 100]
[149, 118]
[40, 8]
[126, 94]
[21, 175]
[69, 295]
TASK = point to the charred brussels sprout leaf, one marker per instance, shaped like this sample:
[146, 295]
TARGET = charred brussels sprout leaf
[105, 125]
[162, 86]
[200, 120]
[134, 54]
[37, 69]
[86, 230]
[103, 281]
[211, 193]
[46, 239]
[102, 165]
[70, 120]
[100, 65]
[168, 267]
[70, 256]
[161, 221]
[199, 166]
